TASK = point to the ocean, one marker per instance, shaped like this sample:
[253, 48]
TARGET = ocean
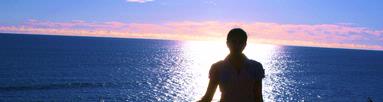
[68, 68]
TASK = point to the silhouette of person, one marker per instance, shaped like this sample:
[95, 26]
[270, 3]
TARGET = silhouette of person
[239, 78]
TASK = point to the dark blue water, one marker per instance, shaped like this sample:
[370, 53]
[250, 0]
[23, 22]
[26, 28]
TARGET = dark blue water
[61, 68]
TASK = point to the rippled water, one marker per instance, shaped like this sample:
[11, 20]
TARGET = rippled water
[52, 68]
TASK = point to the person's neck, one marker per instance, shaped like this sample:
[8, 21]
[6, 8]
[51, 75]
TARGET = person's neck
[236, 58]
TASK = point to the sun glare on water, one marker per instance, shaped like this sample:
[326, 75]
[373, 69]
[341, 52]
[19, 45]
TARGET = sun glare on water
[203, 54]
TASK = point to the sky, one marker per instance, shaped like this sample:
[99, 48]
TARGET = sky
[355, 24]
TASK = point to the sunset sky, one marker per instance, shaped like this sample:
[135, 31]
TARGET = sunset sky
[326, 23]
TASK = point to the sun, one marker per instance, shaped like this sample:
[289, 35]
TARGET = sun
[203, 54]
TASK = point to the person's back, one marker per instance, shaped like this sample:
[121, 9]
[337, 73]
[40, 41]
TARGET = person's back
[239, 78]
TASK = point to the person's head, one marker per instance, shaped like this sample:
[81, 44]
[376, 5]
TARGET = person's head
[236, 40]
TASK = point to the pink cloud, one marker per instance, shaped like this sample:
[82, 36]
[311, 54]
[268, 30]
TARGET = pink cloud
[324, 35]
[139, 1]
[75, 24]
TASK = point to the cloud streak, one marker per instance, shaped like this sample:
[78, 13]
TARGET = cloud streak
[322, 35]
[139, 1]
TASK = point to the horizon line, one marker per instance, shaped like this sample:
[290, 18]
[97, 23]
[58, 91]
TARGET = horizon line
[143, 38]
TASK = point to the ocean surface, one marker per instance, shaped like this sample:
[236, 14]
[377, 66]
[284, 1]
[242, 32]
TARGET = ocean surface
[64, 68]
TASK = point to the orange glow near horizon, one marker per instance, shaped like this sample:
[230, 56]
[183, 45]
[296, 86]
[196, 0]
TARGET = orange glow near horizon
[320, 35]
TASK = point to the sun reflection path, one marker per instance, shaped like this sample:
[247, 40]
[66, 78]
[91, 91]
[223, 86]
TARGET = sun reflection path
[202, 54]
[268, 55]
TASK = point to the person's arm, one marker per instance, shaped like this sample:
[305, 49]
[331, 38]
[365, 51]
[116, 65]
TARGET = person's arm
[210, 91]
[258, 91]
[258, 83]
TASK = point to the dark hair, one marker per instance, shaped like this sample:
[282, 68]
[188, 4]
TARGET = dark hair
[237, 33]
